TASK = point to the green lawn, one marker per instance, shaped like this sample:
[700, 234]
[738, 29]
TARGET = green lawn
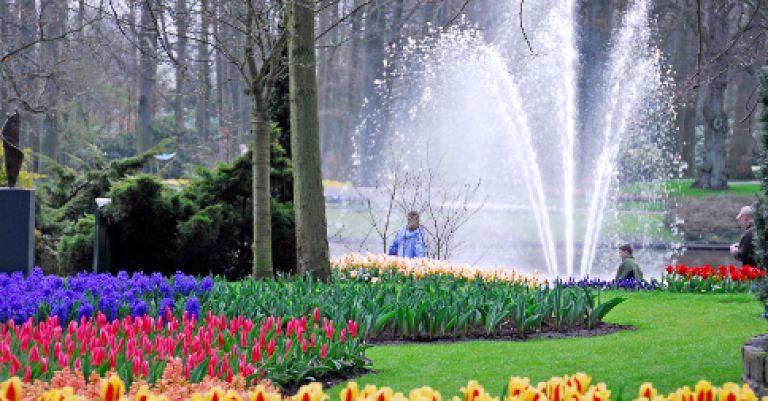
[682, 187]
[680, 338]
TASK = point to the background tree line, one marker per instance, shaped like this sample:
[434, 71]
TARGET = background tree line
[116, 77]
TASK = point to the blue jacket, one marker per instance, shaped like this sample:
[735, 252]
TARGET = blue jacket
[409, 244]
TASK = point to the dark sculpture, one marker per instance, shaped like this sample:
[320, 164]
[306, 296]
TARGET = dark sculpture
[13, 155]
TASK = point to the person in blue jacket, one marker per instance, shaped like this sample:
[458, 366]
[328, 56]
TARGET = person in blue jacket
[409, 240]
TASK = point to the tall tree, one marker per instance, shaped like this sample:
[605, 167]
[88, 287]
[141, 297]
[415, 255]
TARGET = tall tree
[28, 36]
[53, 15]
[147, 71]
[5, 40]
[712, 173]
[203, 73]
[308, 199]
[182, 20]
[375, 32]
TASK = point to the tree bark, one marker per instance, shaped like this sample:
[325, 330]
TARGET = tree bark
[308, 199]
[262, 209]
[148, 74]
[740, 149]
[712, 174]
[28, 23]
[221, 67]
[204, 76]
[5, 40]
[53, 17]
[371, 144]
[182, 19]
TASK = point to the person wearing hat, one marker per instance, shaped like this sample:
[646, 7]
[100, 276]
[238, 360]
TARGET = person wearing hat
[744, 250]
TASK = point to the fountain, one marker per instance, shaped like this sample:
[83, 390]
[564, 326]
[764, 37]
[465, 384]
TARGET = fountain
[476, 102]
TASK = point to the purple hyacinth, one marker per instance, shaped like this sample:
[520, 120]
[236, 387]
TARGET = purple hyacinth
[165, 304]
[193, 306]
[139, 309]
[84, 311]
[206, 284]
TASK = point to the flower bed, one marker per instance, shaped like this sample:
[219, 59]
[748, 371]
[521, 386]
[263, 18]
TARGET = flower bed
[287, 351]
[403, 307]
[371, 265]
[708, 279]
[117, 296]
[569, 388]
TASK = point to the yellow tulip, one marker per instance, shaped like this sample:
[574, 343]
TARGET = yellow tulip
[647, 391]
[425, 394]
[685, 394]
[730, 392]
[472, 391]
[112, 389]
[311, 392]
[59, 394]
[534, 394]
[260, 393]
[399, 397]
[143, 394]
[571, 394]
[747, 394]
[555, 389]
[232, 395]
[11, 389]
[215, 394]
[350, 392]
[598, 393]
[517, 386]
[704, 391]
[368, 391]
[198, 397]
[382, 394]
[580, 381]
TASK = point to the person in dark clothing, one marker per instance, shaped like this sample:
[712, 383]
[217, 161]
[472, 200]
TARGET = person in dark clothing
[628, 267]
[744, 250]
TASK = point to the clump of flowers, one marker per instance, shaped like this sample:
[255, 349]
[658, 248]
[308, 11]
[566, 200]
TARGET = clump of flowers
[721, 273]
[39, 295]
[567, 388]
[682, 278]
[355, 264]
[143, 349]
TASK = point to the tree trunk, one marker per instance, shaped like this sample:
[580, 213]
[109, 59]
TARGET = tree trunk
[221, 66]
[308, 199]
[203, 76]
[182, 19]
[148, 74]
[712, 174]
[353, 95]
[53, 17]
[740, 149]
[5, 39]
[682, 57]
[28, 24]
[262, 207]
[371, 144]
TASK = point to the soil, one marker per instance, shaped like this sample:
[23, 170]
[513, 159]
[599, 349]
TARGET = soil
[507, 333]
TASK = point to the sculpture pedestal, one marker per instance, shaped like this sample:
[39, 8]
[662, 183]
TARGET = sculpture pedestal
[17, 230]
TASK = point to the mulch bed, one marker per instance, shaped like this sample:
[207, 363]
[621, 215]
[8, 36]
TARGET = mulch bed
[507, 332]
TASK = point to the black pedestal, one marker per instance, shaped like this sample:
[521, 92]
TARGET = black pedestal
[17, 230]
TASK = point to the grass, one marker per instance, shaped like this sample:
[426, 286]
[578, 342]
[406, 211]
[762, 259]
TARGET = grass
[680, 339]
[682, 187]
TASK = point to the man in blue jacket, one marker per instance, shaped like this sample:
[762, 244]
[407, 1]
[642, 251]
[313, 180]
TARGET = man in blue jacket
[409, 240]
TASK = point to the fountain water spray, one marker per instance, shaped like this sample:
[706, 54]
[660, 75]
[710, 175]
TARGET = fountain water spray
[485, 107]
